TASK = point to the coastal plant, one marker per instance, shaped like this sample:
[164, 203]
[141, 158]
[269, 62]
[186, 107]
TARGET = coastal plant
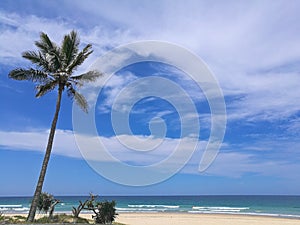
[56, 219]
[1, 216]
[53, 69]
[76, 211]
[18, 219]
[47, 203]
[14, 219]
[87, 204]
[105, 212]
[60, 219]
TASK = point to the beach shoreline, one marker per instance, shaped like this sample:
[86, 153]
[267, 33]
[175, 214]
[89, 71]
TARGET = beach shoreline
[170, 218]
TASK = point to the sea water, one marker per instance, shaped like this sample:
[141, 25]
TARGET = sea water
[280, 206]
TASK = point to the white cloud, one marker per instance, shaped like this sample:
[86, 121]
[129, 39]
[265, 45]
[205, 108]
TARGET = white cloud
[232, 32]
[112, 88]
[238, 41]
[262, 157]
[64, 142]
[20, 32]
[65, 145]
[236, 165]
[264, 96]
[232, 161]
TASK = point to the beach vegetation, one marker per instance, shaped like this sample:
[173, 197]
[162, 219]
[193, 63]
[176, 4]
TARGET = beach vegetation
[57, 219]
[53, 69]
[47, 203]
[61, 218]
[105, 212]
[15, 219]
[87, 204]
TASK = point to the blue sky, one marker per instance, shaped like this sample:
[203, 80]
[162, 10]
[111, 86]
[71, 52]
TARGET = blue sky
[252, 48]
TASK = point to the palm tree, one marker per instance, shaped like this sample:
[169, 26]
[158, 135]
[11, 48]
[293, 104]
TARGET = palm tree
[54, 70]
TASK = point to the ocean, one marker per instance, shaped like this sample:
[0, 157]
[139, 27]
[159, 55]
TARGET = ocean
[279, 206]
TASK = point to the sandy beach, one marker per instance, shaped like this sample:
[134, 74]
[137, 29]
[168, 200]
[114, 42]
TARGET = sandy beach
[193, 219]
[197, 219]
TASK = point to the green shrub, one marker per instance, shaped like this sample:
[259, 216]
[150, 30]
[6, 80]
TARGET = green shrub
[45, 201]
[105, 212]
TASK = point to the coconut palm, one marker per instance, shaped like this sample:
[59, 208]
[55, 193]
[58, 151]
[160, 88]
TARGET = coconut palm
[54, 68]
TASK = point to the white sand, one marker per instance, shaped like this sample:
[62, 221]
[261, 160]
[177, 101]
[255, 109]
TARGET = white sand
[200, 219]
[194, 219]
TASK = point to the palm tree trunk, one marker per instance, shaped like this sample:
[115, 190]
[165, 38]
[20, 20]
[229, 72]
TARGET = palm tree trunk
[40, 183]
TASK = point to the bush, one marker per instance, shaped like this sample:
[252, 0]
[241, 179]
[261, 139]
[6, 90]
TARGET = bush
[87, 204]
[45, 202]
[105, 212]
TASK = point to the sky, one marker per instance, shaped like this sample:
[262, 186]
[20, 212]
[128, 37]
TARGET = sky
[251, 48]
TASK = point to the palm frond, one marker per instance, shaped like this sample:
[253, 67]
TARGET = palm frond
[45, 44]
[33, 56]
[56, 61]
[50, 51]
[80, 57]
[28, 74]
[79, 98]
[37, 58]
[70, 47]
[45, 88]
[87, 77]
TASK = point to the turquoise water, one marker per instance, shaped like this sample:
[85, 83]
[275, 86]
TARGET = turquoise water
[282, 206]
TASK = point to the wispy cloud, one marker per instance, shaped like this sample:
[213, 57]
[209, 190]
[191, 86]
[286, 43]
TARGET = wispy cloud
[240, 42]
[268, 96]
[232, 161]
[18, 33]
